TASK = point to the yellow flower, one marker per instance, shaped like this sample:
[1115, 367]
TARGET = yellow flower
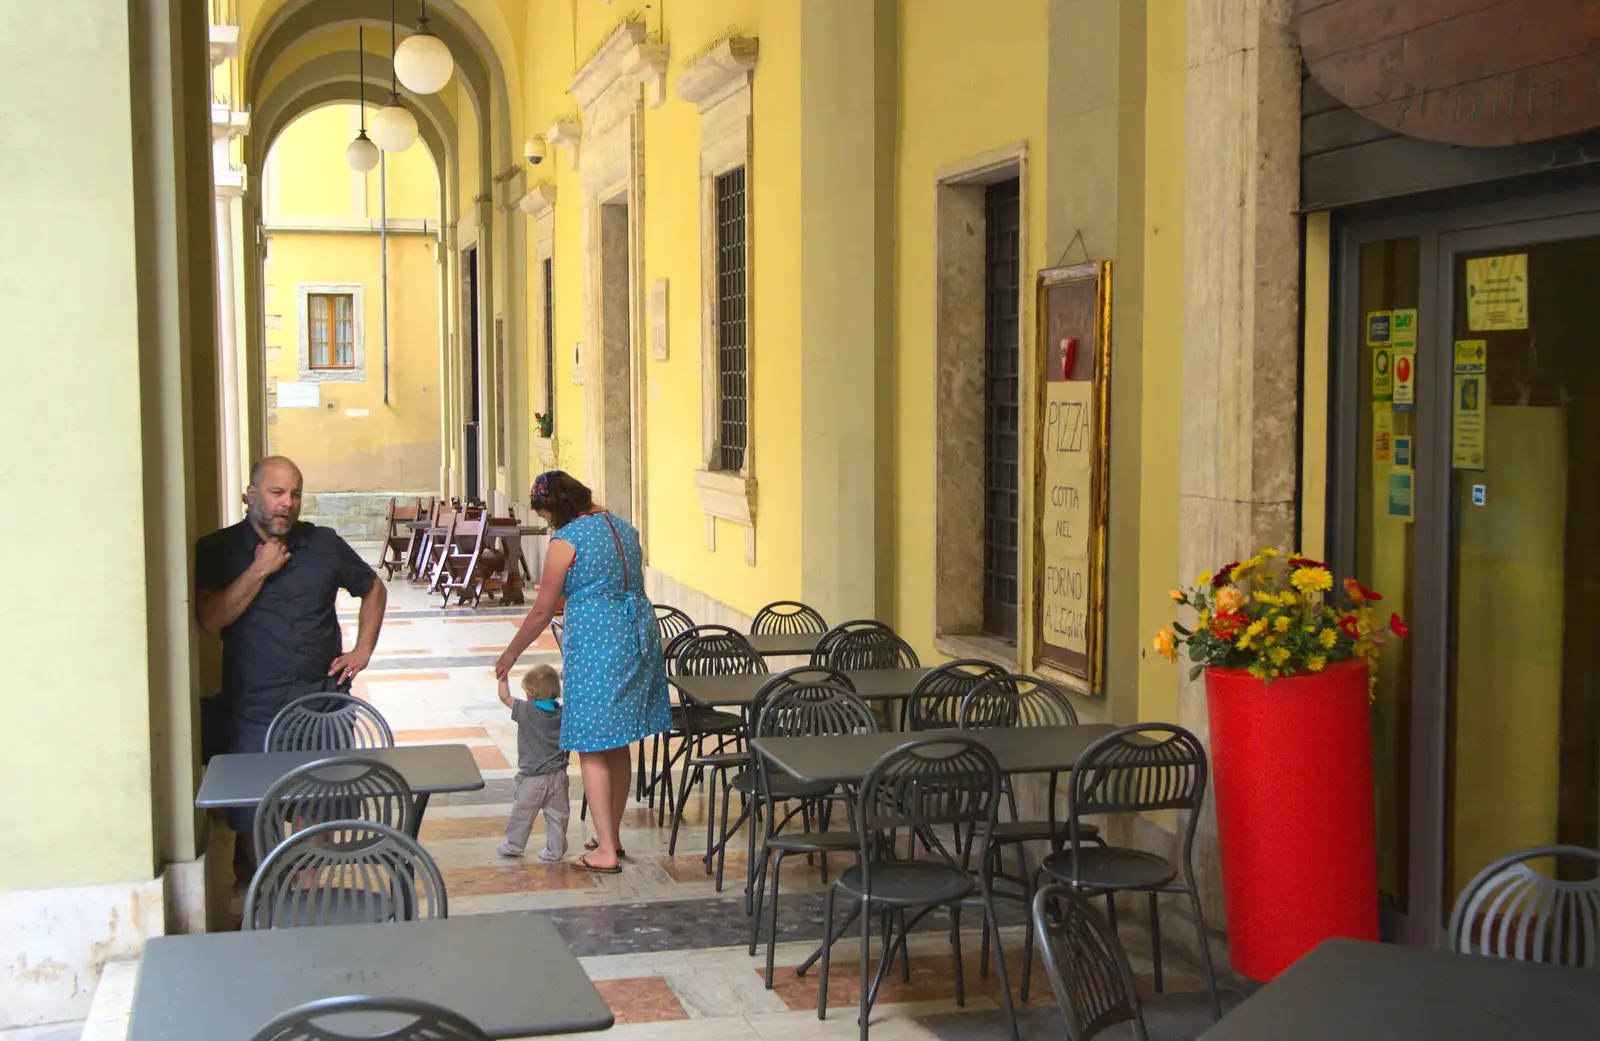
[1280, 655]
[1312, 580]
[1257, 627]
[1205, 619]
[1281, 623]
[1246, 567]
[1177, 596]
[1244, 642]
[1230, 599]
[1329, 637]
[1316, 663]
[1166, 645]
[1276, 673]
[1269, 553]
[1258, 672]
[1204, 579]
[1310, 628]
[1264, 597]
[1270, 641]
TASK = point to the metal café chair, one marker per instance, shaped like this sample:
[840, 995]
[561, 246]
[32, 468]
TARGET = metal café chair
[1148, 766]
[336, 788]
[935, 702]
[935, 781]
[709, 650]
[1512, 910]
[861, 645]
[1088, 969]
[672, 623]
[810, 703]
[342, 873]
[328, 722]
[389, 1019]
[787, 618]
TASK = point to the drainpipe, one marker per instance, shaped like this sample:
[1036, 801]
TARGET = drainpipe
[383, 237]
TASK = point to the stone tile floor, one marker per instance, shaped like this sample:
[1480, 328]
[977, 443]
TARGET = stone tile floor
[667, 951]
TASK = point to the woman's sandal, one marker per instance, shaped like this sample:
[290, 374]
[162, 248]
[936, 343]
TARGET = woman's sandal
[593, 845]
[582, 864]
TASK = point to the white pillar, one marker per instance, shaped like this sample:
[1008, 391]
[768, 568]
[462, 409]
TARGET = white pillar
[232, 482]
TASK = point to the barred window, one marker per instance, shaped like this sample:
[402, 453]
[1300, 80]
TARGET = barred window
[732, 349]
[1001, 410]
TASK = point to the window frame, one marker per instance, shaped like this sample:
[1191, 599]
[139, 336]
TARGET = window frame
[353, 373]
[332, 343]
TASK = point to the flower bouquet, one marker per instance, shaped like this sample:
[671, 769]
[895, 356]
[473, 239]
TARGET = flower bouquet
[1276, 620]
[546, 422]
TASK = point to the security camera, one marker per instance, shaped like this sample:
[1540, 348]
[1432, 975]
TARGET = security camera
[533, 149]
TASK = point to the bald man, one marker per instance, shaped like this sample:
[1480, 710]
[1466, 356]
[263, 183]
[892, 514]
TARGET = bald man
[268, 584]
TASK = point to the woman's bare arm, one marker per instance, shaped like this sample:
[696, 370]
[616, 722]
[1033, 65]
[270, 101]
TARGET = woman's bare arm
[558, 559]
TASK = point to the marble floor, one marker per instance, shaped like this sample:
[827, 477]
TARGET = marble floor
[666, 949]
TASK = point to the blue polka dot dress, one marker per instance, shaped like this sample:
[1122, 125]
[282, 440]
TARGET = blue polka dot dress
[613, 677]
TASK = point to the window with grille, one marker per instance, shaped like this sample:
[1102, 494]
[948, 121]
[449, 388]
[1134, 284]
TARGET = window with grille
[1001, 408]
[549, 339]
[732, 350]
[331, 330]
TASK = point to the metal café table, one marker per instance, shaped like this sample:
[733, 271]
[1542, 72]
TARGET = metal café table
[1348, 989]
[738, 691]
[240, 779]
[846, 758]
[784, 645]
[510, 973]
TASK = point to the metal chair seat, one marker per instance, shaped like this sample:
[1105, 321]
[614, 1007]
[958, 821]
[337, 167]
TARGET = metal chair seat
[706, 720]
[1033, 831]
[910, 883]
[816, 842]
[782, 786]
[1111, 866]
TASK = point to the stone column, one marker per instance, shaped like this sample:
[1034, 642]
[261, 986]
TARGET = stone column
[228, 356]
[1240, 308]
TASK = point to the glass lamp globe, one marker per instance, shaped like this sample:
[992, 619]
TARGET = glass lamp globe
[423, 63]
[362, 153]
[394, 128]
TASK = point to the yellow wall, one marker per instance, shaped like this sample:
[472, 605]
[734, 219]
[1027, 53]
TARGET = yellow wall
[671, 136]
[951, 110]
[394, 447]
[1162, 370]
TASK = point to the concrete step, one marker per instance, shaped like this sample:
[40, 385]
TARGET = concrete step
[113, 1003]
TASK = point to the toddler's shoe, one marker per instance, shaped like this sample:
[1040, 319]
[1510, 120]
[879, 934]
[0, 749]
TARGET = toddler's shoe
[508, 850]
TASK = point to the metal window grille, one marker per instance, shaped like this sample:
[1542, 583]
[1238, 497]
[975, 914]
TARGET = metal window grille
[732, 352]
[331, 331]
[1001, 409]
[549, 339]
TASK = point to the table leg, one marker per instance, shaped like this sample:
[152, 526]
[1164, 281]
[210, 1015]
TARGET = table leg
[513, 553]
[420, 803]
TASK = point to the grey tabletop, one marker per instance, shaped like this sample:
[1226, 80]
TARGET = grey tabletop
[784, 645]
[1382, 992]
[241, 779]
[729, 691]
[511, 974]
[848, 757]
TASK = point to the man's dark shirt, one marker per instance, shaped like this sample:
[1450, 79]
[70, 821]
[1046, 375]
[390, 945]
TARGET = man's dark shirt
[286, 640]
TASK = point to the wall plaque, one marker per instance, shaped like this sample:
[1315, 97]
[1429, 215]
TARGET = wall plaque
[1464, 72]
[1070, 458]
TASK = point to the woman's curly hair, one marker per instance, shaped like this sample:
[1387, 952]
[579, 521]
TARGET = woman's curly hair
[562, 495]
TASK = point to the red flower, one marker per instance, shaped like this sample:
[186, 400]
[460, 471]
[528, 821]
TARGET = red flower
[1358, 592]
[1351, 628]
[1227, 625]
[1398, 627]
[1225, 576]
[1300, 562]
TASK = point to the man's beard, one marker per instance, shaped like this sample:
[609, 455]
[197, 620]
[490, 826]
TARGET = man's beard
[278, 526]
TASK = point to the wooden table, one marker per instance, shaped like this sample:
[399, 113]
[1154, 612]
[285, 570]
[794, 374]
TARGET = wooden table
[511, 974]
[239, 780]
[1346, 989]
[846, 758]
[511, 535]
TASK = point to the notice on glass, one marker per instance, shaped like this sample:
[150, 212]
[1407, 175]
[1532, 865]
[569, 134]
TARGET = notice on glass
[1467, 427]
[1379, 328]
[1497, 292]
[1401, 493]
[1472, 356]
[1403, 341]
[1382, 375]
[1382, 435]
[1068, 475]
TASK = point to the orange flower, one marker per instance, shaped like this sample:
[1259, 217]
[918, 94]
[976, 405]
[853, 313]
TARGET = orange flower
[1229, 600]
[1166, 644]
[1177, 596]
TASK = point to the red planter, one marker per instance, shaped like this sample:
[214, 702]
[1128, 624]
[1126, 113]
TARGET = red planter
[1293, 769]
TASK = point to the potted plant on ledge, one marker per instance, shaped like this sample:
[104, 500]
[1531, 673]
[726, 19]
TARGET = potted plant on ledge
[1290, 667]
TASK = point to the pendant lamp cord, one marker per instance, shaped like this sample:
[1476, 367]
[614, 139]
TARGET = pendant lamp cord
[394, 82]
[361, 78]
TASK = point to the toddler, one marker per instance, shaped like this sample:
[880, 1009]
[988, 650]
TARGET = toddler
[541, 765]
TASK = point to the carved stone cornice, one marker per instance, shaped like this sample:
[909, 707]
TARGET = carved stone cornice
[539, 200]
[565, 135]
[721, 71]
[648, 62]
[609, 63]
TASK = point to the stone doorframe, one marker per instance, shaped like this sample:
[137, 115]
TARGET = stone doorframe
[610, 161]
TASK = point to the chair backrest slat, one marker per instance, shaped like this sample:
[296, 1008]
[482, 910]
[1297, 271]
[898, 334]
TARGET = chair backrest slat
[1511, 909]
[330, 722]
[1017, 701]
[417, 1021]
[1088, 969]
[863, 644]
[343, 872]
[787, 618]
[336, 788]
[935, 702]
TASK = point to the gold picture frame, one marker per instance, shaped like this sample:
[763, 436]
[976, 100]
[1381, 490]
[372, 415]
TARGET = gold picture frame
[1071, 449]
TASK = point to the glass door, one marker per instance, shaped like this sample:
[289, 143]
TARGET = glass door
[1524, 538]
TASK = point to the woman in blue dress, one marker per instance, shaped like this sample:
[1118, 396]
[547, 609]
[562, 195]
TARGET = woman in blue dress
[614, 680]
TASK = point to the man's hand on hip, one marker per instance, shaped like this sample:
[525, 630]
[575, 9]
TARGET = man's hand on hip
[270, 556]
[346, 666]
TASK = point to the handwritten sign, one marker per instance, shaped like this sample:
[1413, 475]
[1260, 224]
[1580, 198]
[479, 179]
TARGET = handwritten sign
[1497, 292]
[1068, 522]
